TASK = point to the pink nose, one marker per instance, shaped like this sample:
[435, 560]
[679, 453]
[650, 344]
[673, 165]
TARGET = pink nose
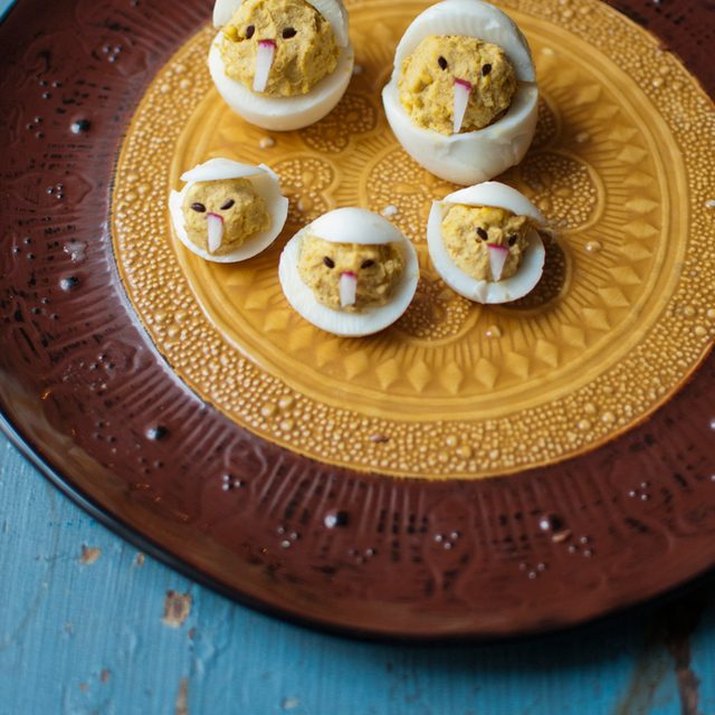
[348, 274]
[218, 216]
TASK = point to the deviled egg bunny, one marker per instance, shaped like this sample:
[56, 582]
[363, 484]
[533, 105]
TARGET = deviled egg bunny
[484, 242]
[349, 272]
[462, 99]
[281, 64]
[228, 211]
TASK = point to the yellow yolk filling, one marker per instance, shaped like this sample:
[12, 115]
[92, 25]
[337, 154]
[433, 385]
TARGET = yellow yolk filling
[378, 269]
[426, 82]
[243, 211]
[306, 49]
[468, 230]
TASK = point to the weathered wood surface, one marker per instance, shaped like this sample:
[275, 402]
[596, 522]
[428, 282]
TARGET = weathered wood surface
[89, 625]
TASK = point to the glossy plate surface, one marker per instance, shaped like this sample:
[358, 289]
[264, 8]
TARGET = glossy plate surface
[339, 481]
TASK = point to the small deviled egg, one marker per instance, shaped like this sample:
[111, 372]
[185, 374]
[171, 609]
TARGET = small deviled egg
[462, 100]
[484, 242]
[281, 64]
[350, 272]
[228, 211]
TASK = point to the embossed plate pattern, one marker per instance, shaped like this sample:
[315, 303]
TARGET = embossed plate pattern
[454, 389]
[368, 553]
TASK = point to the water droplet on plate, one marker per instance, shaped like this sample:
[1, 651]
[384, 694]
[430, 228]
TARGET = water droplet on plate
[76, 250]
[582, 137]
[69, 282]
[80, 126]
[551, 522]
[335, 519]
[158, 432]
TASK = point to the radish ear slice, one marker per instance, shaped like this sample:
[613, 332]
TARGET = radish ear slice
[497, 259]
[215, 232]
[462, 90]
[264, 61]
[348, 289]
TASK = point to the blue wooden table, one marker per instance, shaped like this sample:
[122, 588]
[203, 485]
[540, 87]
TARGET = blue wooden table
[90, 625]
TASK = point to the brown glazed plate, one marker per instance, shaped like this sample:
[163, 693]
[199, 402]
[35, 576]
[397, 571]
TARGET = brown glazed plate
[471, 472]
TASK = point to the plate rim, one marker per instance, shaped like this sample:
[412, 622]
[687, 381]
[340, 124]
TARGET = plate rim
[34, 453]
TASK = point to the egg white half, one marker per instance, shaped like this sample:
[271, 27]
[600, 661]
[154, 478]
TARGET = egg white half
[468, 157]
[282, 113]
[470, 18]
[498, 195]
[264, 181]
[353, 225]
[304, 302]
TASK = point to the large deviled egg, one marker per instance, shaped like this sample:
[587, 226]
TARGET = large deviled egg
[462, 99]
[484, 242]
[228, 211]
[350, 272]
[281, 64]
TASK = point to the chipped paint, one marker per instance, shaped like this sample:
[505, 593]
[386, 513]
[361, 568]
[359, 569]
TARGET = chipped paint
[89, 555]
[182, 698]
[651, 667]
[177, 607]
[680, 624]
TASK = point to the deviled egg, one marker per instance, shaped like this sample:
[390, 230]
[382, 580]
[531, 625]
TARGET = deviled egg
[350, 272]
[228, 211]
[281, 64]
[484, 242]
[462, 100]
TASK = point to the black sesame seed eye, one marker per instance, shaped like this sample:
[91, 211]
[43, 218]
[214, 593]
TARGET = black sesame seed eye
[482, 234]
[289, 32]
[442, 62]
[329, 262]
[199, 208]
[249, 32]
[512, 239]
[228, 205]
[369, 263]
[486, 69]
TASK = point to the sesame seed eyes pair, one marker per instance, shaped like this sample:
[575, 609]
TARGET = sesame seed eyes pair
[330, 263]
[200, 208]
[287, 33]
[443, 64]
[483, 235]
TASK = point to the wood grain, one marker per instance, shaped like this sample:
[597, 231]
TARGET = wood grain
[91, 638]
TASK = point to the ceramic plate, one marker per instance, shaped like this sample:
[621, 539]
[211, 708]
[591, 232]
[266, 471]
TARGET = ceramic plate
[472, 471]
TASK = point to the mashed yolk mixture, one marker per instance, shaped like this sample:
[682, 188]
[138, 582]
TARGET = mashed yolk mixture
[378, 269]
[243, 211]
[468, 230]
[306, 50]
[426, 82]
